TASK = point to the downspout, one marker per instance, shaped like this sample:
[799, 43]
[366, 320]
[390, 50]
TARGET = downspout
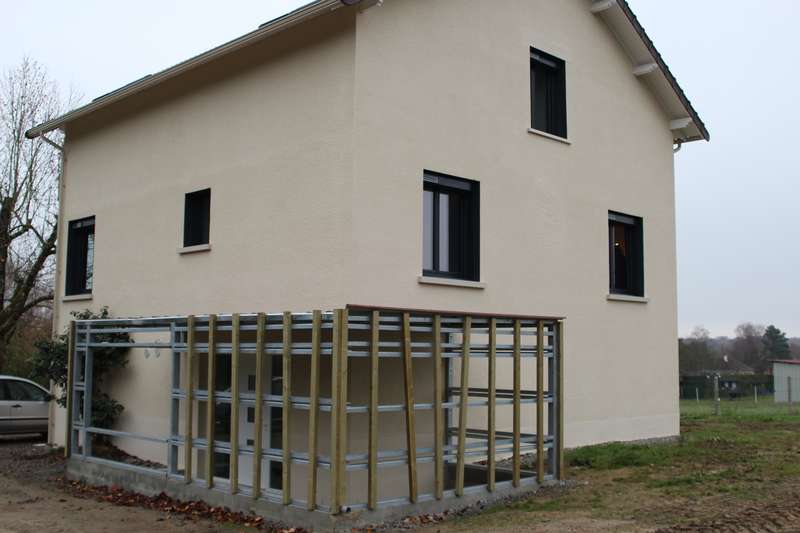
[52, 408]
[677, 147]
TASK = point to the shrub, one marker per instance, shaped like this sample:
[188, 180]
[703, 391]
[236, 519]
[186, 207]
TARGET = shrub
[50, 364]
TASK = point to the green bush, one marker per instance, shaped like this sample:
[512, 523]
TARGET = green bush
[50, 364]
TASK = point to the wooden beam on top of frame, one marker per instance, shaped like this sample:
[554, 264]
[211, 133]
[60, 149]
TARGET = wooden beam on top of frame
[411, 436]
[313, 416]
[517, 405]
[492, 403]
[438, 412]
[560, 400]
[374, 375]
[234, 460]
[258, 443]
[286, 470]
[211, 402]
[189, 421]
[462, 409]
[336, 399]
[540, 401]
[70, 387]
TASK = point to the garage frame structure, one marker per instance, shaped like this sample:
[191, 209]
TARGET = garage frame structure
[476, 398]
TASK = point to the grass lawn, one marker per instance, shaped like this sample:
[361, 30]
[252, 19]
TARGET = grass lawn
[736, 471]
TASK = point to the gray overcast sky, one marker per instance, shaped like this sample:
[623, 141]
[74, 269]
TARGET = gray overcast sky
[738, 215]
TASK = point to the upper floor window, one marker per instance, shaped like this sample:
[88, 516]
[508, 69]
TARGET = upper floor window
[80, 257]
[450, 242]
[548, 94]
[197, 218]
[625, 254]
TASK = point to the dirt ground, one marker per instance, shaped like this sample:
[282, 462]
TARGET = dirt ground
[32, 501]
[736, 473]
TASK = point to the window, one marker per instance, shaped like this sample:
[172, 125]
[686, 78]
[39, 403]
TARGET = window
[80, 257]
[251, 415]
[196, 218]
[625, 254]
[548, 94]
[450, 238]
[20, 391]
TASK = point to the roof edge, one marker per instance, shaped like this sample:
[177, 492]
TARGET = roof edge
[306, 12]
[664, 68]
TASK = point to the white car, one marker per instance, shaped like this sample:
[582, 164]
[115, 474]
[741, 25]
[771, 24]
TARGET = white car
[24, 406]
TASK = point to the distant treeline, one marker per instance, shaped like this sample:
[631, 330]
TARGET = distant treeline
[751, 350]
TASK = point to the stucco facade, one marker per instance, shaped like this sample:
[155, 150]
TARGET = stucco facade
[314, 143]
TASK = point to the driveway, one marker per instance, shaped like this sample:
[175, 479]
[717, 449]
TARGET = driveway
[34, 500]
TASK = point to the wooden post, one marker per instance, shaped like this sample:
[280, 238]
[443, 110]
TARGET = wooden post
[408, 380]
[462, 409]
[258, 441]
[287, 408]
[187, 438]
[438, 412]
[235, 336]
[517, 459]
[539, 401]
[560, 399]
[789, 390]
[70, 388]
[374, 373]
[335, 411]
[492, 403]
[211, 402]
[344, 375]
[313, 416]
[755, 394]
[717, 406]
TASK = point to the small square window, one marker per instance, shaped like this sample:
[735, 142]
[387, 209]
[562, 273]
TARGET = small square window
[548, 94]
[196, 218]
[625, 254]
[80, 257]
[450, 240]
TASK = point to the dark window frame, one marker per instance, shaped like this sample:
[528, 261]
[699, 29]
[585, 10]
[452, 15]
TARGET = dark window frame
[197, 218]
[464, 232]
[79, 276]
[626, 271]
[548, 94]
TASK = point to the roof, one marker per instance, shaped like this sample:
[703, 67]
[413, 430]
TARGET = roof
[648, 65]
[787, 361]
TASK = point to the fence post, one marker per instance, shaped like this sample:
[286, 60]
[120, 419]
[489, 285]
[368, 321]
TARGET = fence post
[755, 394]
[697, 394]
[717, 406]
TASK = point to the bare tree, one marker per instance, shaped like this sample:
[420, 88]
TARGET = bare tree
[29, 173]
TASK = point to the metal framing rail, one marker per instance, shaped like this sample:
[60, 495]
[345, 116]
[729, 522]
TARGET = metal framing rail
[517, 350]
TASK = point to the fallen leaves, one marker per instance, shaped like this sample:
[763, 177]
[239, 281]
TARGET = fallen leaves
[195, 510]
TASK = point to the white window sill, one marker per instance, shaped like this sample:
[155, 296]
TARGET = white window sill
[77, 298]
[626, 298]
[194, 249]
[549, 136]
[447, 282]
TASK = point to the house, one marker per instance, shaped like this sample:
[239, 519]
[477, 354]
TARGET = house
[786, 380]
[510, 162]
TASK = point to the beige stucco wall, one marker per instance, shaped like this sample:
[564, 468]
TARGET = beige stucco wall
[315, 154]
